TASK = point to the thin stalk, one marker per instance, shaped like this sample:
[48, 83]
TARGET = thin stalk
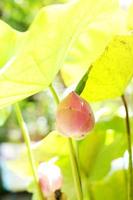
[74, 164]
[75, 170]
[130, 166]
[55, 96]
[76, 145]
[26, 137]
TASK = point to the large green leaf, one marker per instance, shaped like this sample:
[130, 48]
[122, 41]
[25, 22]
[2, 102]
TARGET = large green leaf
[90, 45]
[89, 148]
[112, 72]
[112, 187]
[47, 43]
[106, 154]
[9, 42]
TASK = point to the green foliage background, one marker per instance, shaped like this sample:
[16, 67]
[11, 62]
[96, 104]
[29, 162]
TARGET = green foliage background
[62, 39]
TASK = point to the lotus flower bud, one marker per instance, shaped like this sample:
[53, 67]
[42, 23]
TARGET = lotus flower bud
[50, 178]
[74, 117]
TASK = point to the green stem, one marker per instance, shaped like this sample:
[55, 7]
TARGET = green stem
[130, 174]
[78, 160]
[75, 171]
[74, 164]
[56, 98]
[29, 150]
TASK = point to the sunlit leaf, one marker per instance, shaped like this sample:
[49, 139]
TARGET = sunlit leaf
[91, 147]
[9, 42]
[89, 46]
[47, 42]
[112, 72]
[112, 187]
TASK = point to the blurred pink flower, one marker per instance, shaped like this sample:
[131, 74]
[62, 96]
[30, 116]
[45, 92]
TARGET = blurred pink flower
[50, 178]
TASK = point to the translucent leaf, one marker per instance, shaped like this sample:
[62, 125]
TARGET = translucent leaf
[90, 44]
[114, 187]
[48, 41]
[112, 72]
[9, 42]
[91, 147]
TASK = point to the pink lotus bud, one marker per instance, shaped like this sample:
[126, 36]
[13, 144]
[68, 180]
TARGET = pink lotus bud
[50, 178]
[74, 116]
